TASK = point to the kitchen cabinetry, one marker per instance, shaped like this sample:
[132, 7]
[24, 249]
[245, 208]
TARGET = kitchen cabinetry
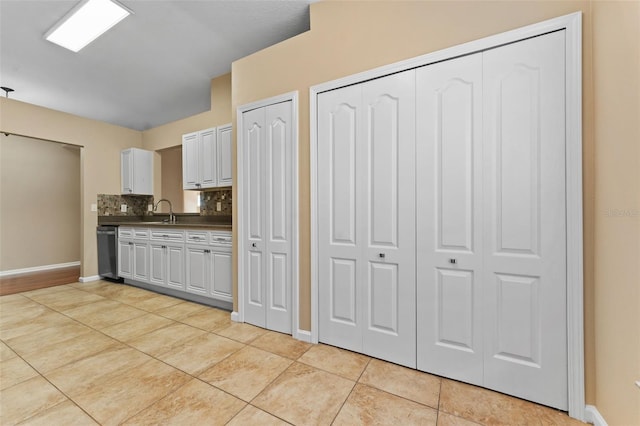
[196, 262]
[136, 171]
[206, 158]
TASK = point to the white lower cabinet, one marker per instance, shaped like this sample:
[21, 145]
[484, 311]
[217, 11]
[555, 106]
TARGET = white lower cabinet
[198, 269]
[208, 264]
[193, 261]
[125, 258]
[166, 264]
[221, 276]
[133, 254]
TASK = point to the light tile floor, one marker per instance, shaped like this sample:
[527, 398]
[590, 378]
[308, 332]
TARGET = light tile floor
[102, 353]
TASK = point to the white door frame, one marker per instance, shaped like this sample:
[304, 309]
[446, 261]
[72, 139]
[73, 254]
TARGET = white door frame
[572, 24]
[295, 232]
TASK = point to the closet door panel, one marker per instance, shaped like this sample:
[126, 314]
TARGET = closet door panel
[254, 136]
[525, 228]
[340, 224]
[449, 218]
[277, 183]
[389, 211]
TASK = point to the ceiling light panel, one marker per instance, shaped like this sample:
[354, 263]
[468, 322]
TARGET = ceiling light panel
[86, 22]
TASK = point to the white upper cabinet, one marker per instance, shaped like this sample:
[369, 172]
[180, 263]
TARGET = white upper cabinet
[136, 168]
[224, 163]
[206, 158]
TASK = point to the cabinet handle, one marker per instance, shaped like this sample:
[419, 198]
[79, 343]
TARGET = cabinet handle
[164, 247]
[381, 255]
[453, 261]
[165, 236]
[207, 251]
[130, 243]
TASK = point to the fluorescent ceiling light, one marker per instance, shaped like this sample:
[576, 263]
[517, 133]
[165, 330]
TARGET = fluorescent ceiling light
[86, 22]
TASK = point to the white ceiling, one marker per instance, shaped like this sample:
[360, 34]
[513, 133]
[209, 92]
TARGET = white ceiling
[152, 68]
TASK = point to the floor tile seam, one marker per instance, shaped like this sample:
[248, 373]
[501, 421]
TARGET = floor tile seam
[155, 402]
[283, 356]
[344, 403]
[24, 294]
[272, 381]
[258, 408]
[30, 366]
[68, 397]
[466, 419]
[177, 345]
[357, 380]
[398, 396]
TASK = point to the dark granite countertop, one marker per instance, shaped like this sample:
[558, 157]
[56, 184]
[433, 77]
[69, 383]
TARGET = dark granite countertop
[188, 221]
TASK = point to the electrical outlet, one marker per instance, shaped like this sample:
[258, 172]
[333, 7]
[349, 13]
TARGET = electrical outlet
[149, 207]
[218, 206]
[94, 207]
[123, 208]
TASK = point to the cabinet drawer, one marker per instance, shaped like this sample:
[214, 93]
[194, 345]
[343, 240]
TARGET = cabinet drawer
[141, 233]
[125, 233]
[221, 238]
[197, 237]
[167, 235]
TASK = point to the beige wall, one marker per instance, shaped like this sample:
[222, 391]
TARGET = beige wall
[171, 178]
[100, 159]
[616, 67]
[170, 134]
[349, 37]
[38, 179]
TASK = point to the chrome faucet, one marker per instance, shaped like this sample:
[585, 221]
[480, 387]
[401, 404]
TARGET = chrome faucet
[172, 217]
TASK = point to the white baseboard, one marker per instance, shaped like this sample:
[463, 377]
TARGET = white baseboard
[38, 268]
[592, 415]
[89, 279]
[303, 335]
[235, 316]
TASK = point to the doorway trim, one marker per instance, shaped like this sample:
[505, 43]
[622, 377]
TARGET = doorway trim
[295, 230]
[572, 24]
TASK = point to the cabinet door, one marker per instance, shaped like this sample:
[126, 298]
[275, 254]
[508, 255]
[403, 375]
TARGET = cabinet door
[157, 267]
[190, 164]
[125, 259]
[224, 158]
[198, 269]
[140, 261]
[126, 171]
[221, 280]
[175, 266]
[207, 158]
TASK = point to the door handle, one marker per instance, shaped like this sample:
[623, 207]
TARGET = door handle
[381, 255]
[453, 261]
[254, 245]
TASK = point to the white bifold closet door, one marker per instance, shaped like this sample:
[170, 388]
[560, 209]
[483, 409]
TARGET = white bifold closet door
[366, 218]
[268, 179]
[491, 274]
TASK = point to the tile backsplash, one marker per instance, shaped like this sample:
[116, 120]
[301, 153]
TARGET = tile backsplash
[109, 205]
[209, 200]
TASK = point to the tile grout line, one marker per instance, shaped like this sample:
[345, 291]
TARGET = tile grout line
[41, 374]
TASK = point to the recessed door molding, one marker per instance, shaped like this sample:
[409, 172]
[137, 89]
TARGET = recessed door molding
[242, 151]
[572, 25]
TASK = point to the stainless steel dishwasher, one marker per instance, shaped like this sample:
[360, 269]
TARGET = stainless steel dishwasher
[107, 236]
